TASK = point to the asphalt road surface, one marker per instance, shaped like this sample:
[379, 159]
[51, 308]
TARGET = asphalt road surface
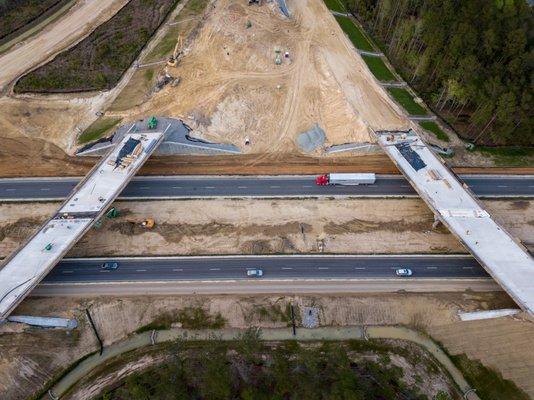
[256, 186]
[274, 267]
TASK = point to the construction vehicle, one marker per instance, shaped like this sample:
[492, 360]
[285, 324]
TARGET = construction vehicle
[152, 123]
[345, 179]
[148, 223]
[176, 54]
[112, 213]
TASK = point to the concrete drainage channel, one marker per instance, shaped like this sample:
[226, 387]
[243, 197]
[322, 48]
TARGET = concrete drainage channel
[61, 387]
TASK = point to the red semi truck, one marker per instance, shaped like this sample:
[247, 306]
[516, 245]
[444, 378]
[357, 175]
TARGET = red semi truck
[345, 179]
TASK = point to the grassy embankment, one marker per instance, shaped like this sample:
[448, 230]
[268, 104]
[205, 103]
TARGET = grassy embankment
[381, 71]
[98, 129]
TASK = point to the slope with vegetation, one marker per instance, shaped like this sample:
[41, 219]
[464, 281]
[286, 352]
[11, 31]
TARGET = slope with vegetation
[470, 60]
[99, 61]
[251, 369]
[16, 14]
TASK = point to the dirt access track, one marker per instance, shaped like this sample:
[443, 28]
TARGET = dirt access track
[80, 20]
[219, 226]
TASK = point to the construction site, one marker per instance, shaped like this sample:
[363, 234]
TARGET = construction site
[255, 105]
[239, 70]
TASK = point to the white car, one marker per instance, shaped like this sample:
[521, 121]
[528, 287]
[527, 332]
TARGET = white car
[254, 273]
[403, 272]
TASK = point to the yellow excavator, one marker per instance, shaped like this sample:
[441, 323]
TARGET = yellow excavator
[148, 223]
[177, 53]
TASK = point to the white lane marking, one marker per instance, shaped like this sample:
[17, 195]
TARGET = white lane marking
[322, 268]
[502, 186]
[104, 270]
[241, 187]
[531, 186]
[141, 270]
[404, 186]
[10, 190]
[67, 272]
[177, 187]
[144, 187]
[274, 187]
[43, 189]
[287, 268]
[209, 187]
[215, 269]
[307, 186]
[177, 269]
[431, 267]
[359, 268]
[467, 267]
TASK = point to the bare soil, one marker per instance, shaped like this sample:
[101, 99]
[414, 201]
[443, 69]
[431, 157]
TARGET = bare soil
[239, 77]
[264, 226]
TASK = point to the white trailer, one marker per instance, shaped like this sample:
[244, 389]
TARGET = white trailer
[346, 179]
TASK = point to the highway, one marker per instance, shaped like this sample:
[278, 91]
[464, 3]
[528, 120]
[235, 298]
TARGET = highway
[274, 268]
[31, 189]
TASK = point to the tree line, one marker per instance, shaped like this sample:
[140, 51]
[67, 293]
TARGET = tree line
[471, 61]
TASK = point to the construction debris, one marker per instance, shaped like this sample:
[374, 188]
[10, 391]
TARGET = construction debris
[312, 139]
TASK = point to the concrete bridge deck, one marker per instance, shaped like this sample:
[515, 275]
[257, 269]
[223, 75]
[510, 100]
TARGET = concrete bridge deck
[507, 261]
[25, 268]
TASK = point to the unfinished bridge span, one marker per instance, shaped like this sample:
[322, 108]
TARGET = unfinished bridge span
[453, 204]
[28, 265]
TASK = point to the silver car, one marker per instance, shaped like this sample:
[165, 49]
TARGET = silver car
[403, 272]
[254, 273]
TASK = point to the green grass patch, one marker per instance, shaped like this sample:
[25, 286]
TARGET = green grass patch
[97, 129]
[149, 74]
[196, 6]
[405, 99]
[379, 68]
[354, 33]
[509, 156]
[190, 318]
[435, 129]
[489, 384]
[335, 5]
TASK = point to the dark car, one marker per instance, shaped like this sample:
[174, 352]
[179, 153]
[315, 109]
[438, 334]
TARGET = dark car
[110, 266]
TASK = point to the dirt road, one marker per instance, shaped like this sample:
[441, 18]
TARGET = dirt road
[222, 226]
[79, 21]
